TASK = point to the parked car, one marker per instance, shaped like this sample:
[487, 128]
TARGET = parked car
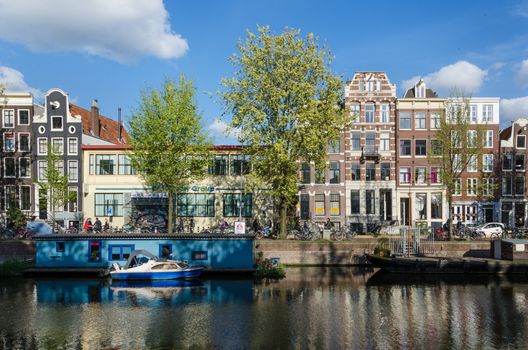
[491, 229]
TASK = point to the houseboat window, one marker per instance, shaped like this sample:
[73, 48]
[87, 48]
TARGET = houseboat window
[231, 207]
[165, 250]
[199, 255]
[94, 251]
[59, 247]
[120, 252]
[104, 201]
[196, 204]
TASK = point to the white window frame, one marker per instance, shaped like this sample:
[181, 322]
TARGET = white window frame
[61, 151]
[409, 173]
[355, 110]
[489, 137]
[5, 168]
[14, 142]
[457, 188]
[76, 179]
[438, 176]
[4, 118]
[20, 143]
[473, 113]
[373, 111]
[517, 141]
[62, 123]
[45, 153]
[6, 207]
[485, 163]
[76, 190]
[421, 127]
[41, 169]
[18, 116]
[472, 186]
[435, 120]
[76, 152]
[423, 181]
[385, 113]
[20, 167]
[472, 164]
[487, 113]
[472, 138]
[384, 141]
[20, 197]
[487, 187]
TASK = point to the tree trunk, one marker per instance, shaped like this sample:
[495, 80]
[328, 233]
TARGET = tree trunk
[169, 215]
[283, 219]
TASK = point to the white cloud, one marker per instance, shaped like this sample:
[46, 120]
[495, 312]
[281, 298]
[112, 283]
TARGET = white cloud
[121, 30]
[522, 74]
[220, 127]
[461, 75]
[13, 80]
[514, 108]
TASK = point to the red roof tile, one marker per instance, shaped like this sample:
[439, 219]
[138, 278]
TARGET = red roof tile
[108, 129]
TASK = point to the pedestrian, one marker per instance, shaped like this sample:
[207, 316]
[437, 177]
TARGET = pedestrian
[256, 225]
[329, 224]
[97, 225]
[106, 226]
[88, 225]
[191, 225]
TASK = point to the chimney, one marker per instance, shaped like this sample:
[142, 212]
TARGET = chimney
[95, 118]
[119, 125]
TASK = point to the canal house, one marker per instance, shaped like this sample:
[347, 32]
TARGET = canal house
[100, 251]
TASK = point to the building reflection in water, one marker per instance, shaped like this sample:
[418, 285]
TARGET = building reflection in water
[311, 308]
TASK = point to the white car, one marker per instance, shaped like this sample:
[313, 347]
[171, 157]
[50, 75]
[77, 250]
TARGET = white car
[491, 229]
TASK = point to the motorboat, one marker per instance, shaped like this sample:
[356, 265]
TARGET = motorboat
[142, 265]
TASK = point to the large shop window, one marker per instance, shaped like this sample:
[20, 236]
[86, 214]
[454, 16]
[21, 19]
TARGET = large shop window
[420, 206]
[105, 164]
[231, 207]
[218, 165]
[239, 164]
[120, 251]
[106, 203]
[196, 204]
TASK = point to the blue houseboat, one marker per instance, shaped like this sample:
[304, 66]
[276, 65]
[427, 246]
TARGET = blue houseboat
[100, 251]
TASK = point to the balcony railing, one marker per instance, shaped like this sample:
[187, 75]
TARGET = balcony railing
[370, 152]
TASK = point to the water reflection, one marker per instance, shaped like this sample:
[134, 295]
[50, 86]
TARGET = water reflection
[311, 308]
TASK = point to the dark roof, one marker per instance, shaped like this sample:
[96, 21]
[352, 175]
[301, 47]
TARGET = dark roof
[506, 133]
[108, 130]
[428, 93]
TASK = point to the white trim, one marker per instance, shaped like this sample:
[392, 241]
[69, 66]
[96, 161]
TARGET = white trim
[20, 168]
[29, 116]
[3, 118]
[14, 142]
[62, 124]
[76, 146]
[77, 174]
[61, 152]
[5, 195]
[39, 177]
[29, 141]
[38, 146]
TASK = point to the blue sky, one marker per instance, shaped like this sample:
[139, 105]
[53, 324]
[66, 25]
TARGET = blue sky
[112, 49]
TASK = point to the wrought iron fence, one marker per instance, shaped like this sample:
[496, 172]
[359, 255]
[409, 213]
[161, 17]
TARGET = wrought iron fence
[412, 241]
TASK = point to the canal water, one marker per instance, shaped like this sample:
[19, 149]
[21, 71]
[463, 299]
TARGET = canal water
[312, 308]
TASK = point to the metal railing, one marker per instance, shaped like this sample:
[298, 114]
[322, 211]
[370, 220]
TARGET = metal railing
[412, 241]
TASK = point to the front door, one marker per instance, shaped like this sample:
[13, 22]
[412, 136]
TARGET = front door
[404, 211]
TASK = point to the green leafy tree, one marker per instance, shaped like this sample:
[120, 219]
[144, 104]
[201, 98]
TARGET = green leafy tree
[285, 102]
[56, 184]
[458, 145]
[169, 144]
[16, 218]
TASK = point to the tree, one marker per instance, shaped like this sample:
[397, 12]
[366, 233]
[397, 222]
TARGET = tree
[286, 103]
[458, 145]
[55, 184]
[169, 144]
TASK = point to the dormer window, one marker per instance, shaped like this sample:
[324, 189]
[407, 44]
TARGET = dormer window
[521, 141]
[420, 90]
